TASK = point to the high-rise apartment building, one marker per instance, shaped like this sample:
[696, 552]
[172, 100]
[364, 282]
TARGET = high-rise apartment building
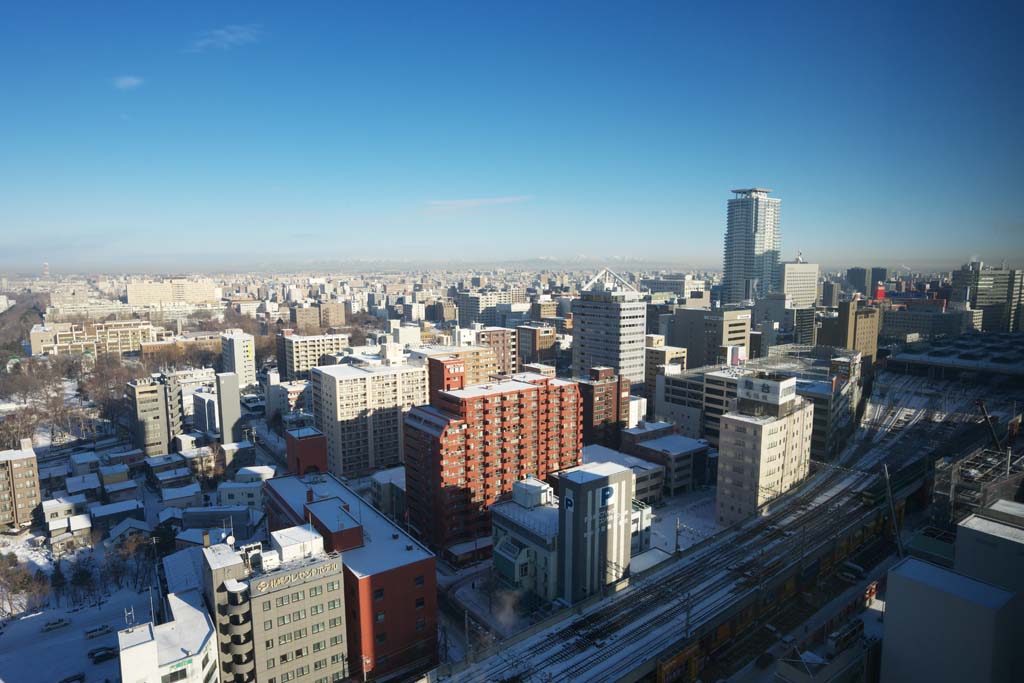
[764, 448]
[360, 408]
[705, 332]
[609, 324]
[238, 355]
[879, 276]
[114, 336]
[332, 314]
[298, 353]
[478, 363]
[305, 319]
[154, 423]
[800, 282]
[752, 244]
[605, 401]
[464, 451]
[997, 292]
[19, 486]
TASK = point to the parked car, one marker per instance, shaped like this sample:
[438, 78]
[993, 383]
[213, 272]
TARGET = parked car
[101, 630]
[99, 650]
[75, 678]
[55, 624]
[105, 655]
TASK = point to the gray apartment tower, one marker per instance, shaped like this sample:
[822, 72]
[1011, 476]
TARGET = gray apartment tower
[609, 327]
[155, 418]
[229, 408]
[594, 533]
[752, 242]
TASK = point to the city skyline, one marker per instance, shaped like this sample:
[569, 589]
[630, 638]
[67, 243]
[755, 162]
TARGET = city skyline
[246, 137]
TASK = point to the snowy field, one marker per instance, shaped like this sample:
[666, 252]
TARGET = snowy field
[30, 547]
[29, 656]
[696, 515]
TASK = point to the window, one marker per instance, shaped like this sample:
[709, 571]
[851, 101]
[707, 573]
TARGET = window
[271, 663]
[381, 638]
[334, 604]
[378, 594]
[421, 624]
[315, 591]
[320, 664]
[270, 644]
[336, 621]
[419, 603]
[419, 580]
[319, 645]
[299, 595]
[284, 619]
[333, 585]
[266, 605]
[267, 625]
[178, 675]
[317, 627]
[302, 652]
[283, 600]
[380, 617]
[316, 609]
[335, 640]
[337, 659]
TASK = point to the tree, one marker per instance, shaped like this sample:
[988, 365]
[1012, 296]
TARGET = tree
[58, 582]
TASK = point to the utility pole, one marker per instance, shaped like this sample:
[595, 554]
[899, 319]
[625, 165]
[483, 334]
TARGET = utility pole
[892, 511]
[679, 528]
[469, 645]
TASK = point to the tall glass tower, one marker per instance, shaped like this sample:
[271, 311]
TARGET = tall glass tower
[752, 243]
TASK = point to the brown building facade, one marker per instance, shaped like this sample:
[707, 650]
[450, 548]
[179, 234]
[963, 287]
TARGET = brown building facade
[605, 401]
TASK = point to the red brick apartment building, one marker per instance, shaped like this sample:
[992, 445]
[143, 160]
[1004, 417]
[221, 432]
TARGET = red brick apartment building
[464, 451]
[390, 579]
[605, 400]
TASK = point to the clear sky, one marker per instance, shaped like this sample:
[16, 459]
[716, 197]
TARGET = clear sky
[174, 136]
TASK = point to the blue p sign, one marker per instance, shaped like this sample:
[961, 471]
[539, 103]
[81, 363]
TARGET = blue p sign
[606, 494]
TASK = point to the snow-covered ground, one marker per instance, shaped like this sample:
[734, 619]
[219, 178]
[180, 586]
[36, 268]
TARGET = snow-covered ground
[30, 547]
[28, 655]
[696, 515]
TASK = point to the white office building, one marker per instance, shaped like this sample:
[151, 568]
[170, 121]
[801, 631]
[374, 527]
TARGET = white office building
[238, 355]
[752, 240]
[800, 282]
[609, 327]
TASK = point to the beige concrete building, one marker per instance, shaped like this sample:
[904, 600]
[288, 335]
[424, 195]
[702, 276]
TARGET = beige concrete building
[479, 361]
[115, 336]
[764, 448]
[19, 486]
[656, 357]
[298, 353]
[800, 282]
[703, 332]
[360, 410]
[501, 340]
[853, 327]
[175, 290]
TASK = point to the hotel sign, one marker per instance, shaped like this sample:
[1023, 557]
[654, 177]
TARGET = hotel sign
[297, 577]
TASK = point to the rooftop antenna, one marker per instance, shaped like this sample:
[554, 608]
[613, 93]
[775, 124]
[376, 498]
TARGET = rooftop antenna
[129, 616]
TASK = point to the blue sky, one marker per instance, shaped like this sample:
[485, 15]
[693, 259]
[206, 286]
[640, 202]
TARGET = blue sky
[170, 137]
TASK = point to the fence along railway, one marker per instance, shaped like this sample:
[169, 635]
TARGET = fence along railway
[675, 619]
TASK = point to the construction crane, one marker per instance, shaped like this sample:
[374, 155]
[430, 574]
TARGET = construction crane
[988, 421]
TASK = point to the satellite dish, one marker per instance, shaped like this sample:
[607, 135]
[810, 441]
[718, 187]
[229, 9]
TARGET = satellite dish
[223, 535]
[231, 540]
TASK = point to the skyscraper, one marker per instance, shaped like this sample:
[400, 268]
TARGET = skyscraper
[609, 327]
[751, 246]
[800, 281]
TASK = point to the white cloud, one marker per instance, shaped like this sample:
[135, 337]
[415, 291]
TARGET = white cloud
[227, 37]
[128, 82]
[475, 202]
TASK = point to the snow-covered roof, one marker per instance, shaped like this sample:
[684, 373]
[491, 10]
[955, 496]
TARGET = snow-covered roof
[176, 473]
[85, 482]
[540, 519]
[647, 559]
[645, 426]
[674, 444]
[183, 569]
[120, 486]
[162, 460]
[221, 556]
[598, 453]
[17, 455]
[116, 508]
[128, 524]
[591, 471]
[168, 514]
[392, 475]
[256, 472]
[119, 468]
[994, 528]
[84, 458]
[179, 492]
[305, 432]
[79, 522]
[188, 632]
[385, 545]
